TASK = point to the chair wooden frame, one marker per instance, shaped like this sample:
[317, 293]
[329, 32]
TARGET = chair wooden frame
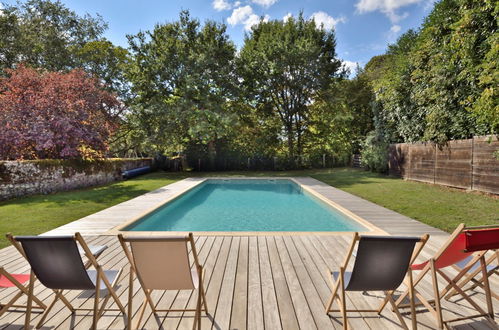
[339, 285]
[471, 277]
[201, 305]
[101, 277]
[22, 290]
[453, 284]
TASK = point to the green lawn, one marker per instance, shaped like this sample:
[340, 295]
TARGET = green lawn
[437, 206]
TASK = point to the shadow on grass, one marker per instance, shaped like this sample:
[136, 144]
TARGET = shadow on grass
[106, 194]
[120, 191]
[344, 178]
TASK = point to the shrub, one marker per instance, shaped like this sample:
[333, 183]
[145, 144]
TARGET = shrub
[54, 115]
[375, 153]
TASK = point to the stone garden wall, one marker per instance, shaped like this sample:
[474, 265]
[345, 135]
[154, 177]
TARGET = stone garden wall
[22, 178]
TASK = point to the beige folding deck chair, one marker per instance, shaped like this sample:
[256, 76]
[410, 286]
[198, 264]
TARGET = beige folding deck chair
[381, 264]
[162, 263]
[57, 263]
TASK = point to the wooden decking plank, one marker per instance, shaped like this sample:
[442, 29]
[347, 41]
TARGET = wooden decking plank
[235, 280]
[255, 302]
[238, 319]
[226, 294]
[269, 299]
[316, 269]
[216, 281]
[209, 265]
[286, 308]
[311, 295]
[302, 310]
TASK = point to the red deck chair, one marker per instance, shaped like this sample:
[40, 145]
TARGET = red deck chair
[8, 280]
[471, 242]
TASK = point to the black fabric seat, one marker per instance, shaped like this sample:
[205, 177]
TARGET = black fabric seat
[57, 263]
[381, 264]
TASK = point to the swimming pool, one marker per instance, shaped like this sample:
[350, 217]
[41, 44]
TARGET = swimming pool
[246, 205]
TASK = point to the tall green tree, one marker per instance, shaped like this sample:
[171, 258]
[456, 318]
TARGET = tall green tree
[106, 61]
[44, 34]
[449, 60]
[284, 65]
[183, 83]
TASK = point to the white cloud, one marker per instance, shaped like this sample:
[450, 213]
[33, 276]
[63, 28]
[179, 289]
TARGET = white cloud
[395, 29]
[237, 3]
[254, 20]
[264, 3]
[387, 7]
[351, 66]
[246, 16]
[329, 22]
[287, 16]
[240, 15]
[220, 5]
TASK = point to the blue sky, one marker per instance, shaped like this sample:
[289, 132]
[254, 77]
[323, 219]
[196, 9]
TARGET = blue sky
[363, 27]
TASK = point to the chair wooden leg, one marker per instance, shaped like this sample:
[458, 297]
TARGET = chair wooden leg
[343, 301]
[488, 298]
[141, 313]
[96, 300]
[10, 303]
[395, 309]
[109, 295]
[412, 301]
[418, 279]
[27, 319]
[197, 316]
[110, 290]
[438, 307]
[47, 311]
[203, 292]
[335, 286]
[130, 300]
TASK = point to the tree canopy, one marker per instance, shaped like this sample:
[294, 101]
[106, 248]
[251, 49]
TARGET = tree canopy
[183, 82]
[284, 66]
[184, 87]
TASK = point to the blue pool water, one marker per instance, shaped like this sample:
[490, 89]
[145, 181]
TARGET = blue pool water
[246, 205]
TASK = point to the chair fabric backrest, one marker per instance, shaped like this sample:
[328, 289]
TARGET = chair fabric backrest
[454, 253]
[482, 239]
[162, 263]
[56, 262]
[381, 263]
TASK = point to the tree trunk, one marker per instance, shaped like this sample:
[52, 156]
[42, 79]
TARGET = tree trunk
[212, 154]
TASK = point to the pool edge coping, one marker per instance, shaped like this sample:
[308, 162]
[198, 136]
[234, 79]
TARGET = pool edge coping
[118, 229]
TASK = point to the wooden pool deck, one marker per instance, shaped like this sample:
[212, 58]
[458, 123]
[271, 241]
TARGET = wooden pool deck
[252, 282]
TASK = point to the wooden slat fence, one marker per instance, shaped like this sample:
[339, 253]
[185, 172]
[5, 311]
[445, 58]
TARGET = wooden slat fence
[468, 164]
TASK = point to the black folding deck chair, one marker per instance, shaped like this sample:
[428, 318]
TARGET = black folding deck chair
[381, 264]
[57, 263]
